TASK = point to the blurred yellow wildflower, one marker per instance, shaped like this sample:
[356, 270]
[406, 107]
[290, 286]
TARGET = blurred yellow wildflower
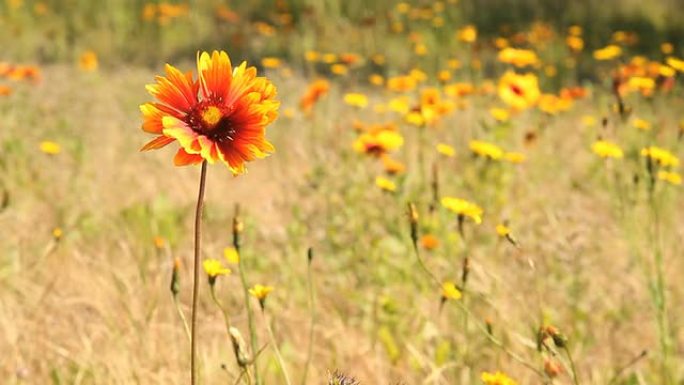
[501, 115]
[214, 268]
[575, 43]
[588, 120]
[552, 104]
[518, 57]
[514, 157]
[675, 63]
[271, 62]
[339, 69]
[401, 83]
[608, 53]
[376, 80]
[454, 64]
[670, 177]
[231, 255]
[463, 208]
[502, 230]
[641, 124]
[666, 48]
[159, 242]
[661, 156]
[260, 292]
[444, 76]
[467, 34]
[642, 84]
[385, 184]
[606, 149]
[666, 71]
[418, 75]
[519, 91]
[486, 149]
[378, 143]
[392, 166]
[497, 378]
[50, 147]
[356, 99]
[450, 291]
[312, 56]
[88, 61]
[446, 150]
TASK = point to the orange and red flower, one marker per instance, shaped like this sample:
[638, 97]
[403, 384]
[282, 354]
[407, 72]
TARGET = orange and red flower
[221, 116]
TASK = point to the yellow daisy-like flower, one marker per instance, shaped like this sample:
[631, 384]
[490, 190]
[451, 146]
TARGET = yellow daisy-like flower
[641, 83]
[450, 291]
[271, 62]
[519, 91]
[661, 156]
[675, 63]
[606, 149]
[608, 53]
[385, 184]
[231, 255]
[515, 157]
[642, 124]
[666, 48]
[57, 233]
[575, 43]
[464, 208]
[339, 69]
[214, 268]
[260, 292]
[552, 104]
[503, 230]
[518, 57]
[378, 143]
[446, 150]
[356, 99]
[376, 80]
[467, 34]
[486, 150]
[497, 378]
[50, 148]
[88, 61]
[666, 71]
[501, 115]
[670, 177]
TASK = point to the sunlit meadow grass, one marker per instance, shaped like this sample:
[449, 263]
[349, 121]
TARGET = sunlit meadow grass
[574, 260]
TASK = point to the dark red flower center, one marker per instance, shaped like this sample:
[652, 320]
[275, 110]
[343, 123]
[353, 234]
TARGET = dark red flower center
[516, 89]
[212, 121]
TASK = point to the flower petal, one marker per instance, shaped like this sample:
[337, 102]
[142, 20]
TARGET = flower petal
[214, 74]
[157, 143]
[177, 129]
[182, 158]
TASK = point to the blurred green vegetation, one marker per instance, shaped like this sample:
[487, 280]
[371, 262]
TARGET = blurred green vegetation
[145, 32]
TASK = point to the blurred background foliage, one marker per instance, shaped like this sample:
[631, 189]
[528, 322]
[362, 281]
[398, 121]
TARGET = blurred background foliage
[145, 32]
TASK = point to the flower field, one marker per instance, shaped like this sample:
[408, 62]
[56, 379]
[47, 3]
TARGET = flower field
[336, 192]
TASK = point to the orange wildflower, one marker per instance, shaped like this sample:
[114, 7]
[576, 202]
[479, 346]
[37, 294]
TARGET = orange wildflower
[429, 241]
[316, 90]
[221, 116]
